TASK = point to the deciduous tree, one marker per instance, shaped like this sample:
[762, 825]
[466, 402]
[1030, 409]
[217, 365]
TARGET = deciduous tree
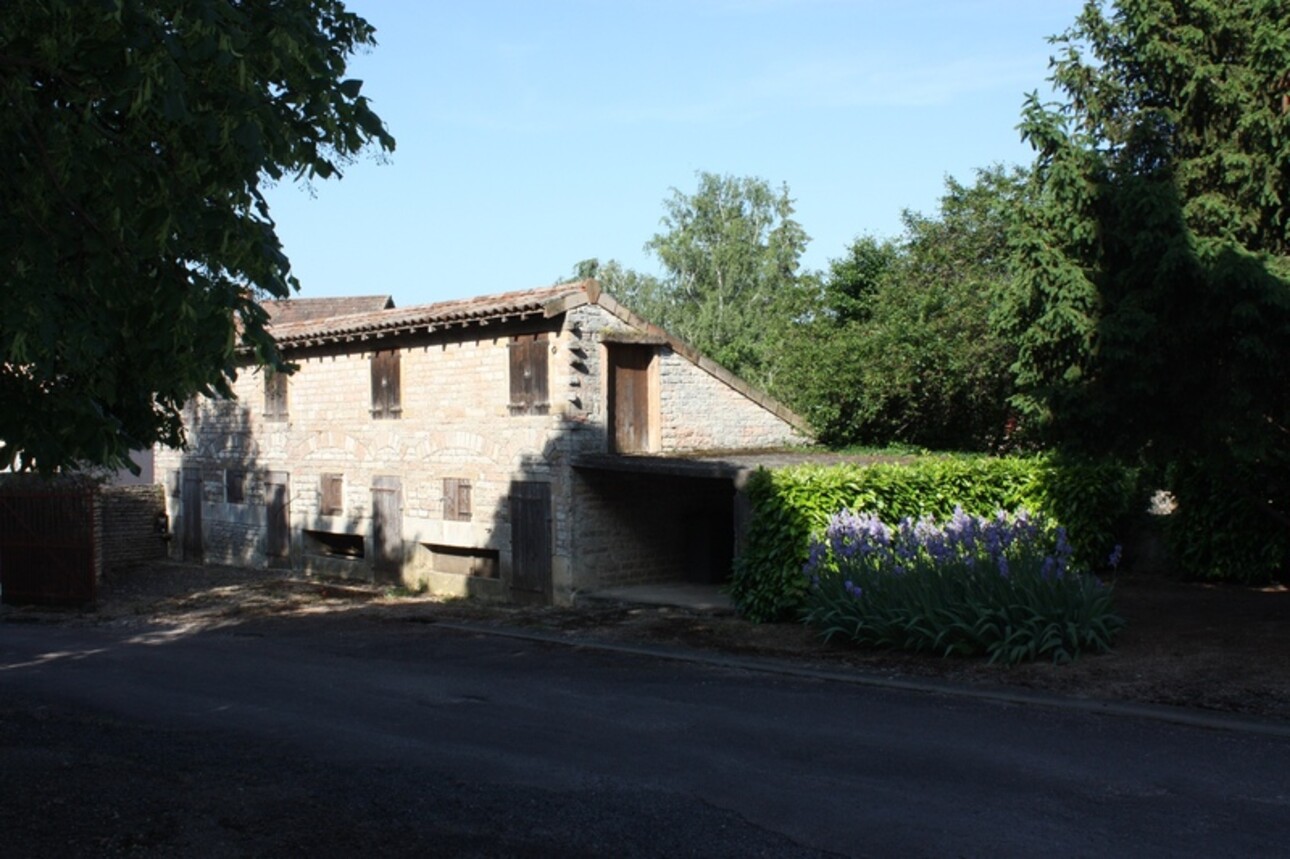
[906, 349]
[731, 259]
[135, 242]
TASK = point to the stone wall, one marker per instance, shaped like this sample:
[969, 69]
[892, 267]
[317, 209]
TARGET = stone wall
[700, 407]
[129, 531]
[456, 422]
[700, 411]
[639, 528]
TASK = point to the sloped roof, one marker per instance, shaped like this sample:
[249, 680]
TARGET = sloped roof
[543, 302]
[294, 310]
[505, 306]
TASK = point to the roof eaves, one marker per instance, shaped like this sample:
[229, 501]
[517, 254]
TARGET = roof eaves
[504, 308]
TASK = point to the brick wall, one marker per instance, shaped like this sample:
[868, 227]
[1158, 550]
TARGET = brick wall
[128, 525]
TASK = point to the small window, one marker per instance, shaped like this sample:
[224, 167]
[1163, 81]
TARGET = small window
[385, 385]
[235, 486]
[173, 482]
[528, 374]
[456, 499]
[275, 396]
[333, 495]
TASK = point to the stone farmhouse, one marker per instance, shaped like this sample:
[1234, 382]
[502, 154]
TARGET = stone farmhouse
[528, 446]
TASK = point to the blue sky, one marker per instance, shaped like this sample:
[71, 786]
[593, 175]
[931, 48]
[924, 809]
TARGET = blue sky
[532, 135]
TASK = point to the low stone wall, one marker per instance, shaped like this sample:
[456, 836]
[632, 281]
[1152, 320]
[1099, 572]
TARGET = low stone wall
[128, 519]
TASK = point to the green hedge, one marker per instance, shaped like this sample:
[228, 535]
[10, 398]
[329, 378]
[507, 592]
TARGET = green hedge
[789, 505]
[1218, 531]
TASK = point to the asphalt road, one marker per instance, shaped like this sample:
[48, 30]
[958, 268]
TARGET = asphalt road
[311, 736]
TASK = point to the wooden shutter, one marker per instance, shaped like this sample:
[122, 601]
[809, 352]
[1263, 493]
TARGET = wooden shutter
[456, 499]
[463, 500]
[333, 498]
[386, 401]
[275, 395]
[529, 374]
[234, 486]
[394, 403]
[519, 375]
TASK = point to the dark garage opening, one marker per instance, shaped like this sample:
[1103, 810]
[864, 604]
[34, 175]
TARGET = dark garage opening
[638, 527]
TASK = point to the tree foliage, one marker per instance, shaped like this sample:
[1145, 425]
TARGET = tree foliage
[134, 238]
[906, 349]
[731, 257]
[1152, 312]
[641, 292]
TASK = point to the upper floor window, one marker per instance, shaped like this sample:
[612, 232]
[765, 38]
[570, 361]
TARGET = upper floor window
[385, 384]
[275, 396]
[529, 374]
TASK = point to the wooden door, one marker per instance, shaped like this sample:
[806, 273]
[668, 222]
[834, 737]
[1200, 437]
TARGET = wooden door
[531, 543]
[629, 398]
[387, 529]
[191, 503]
[277, 519]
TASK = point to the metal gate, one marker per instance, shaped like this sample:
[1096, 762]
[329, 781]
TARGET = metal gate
[47, 547]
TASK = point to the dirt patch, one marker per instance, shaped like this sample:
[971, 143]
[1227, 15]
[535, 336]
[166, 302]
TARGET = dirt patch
[1186, 644]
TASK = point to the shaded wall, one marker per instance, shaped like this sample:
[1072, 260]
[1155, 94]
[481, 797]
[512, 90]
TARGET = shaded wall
[644, 528]
[132, 520]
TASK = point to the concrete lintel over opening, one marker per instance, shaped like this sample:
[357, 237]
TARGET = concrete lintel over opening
[717, 469]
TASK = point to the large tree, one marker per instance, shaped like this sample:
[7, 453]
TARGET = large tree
[905, 349]
[731, 258]
[135, 242]
[1153, 308]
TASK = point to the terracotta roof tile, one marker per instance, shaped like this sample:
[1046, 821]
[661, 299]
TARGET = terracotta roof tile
[530, 302]
[302, 309]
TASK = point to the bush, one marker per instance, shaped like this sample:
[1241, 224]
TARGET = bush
[789, 505]
[1217, 532]
[1002, 587]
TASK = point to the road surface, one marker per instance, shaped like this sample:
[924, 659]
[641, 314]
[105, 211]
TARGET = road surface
[327, 736]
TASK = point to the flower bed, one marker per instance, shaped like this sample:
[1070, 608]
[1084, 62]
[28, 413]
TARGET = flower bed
[1004, 587]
